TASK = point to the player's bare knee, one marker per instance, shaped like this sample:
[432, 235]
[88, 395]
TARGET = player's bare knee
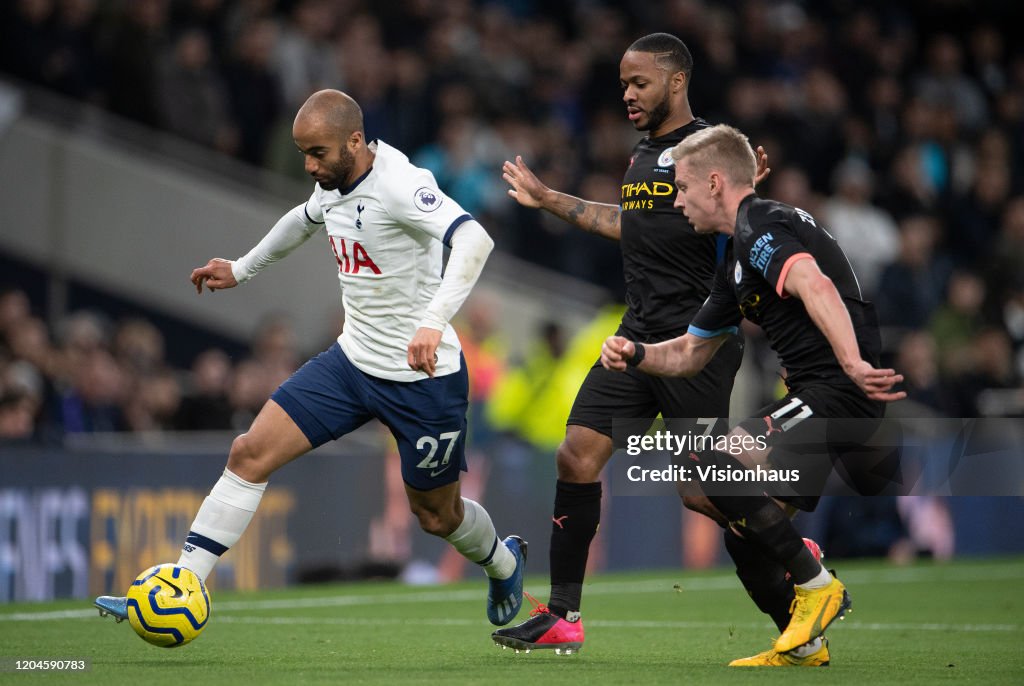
[244, 460]
[435, 521]
[574, 465]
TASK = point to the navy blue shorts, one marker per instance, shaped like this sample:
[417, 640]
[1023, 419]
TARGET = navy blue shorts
[329, 397]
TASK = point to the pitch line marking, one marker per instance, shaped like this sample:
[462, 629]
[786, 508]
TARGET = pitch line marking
[614, 624]
[979, 573]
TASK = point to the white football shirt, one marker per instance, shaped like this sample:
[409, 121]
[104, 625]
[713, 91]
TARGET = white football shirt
[387, 232]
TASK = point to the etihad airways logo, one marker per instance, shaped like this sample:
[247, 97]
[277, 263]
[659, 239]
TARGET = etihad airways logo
[640, 196]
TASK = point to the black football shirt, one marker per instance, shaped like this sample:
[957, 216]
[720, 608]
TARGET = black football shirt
[770, 237]
[668, 266]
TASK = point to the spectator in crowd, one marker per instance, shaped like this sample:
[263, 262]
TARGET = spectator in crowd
[248, 392]
[409, 100]
[917, 357]
[29, 342]
[275, 348]
[133, 59]
[957, 321]
[882, 112]
[254, 89]
[192, 96]
[944, 82]
[820, 123]
[156, 400]
[791, 186]
[908, 189]
[867, 234]
[92, 399]
[205, 405]
[1008, 250]
[992, 368]
[911, 287]
[75, 61]
[988, 60]
[305, 60]
[17, 415]
[978, 214]
[14, 310]
[138, 346]
[207, 16]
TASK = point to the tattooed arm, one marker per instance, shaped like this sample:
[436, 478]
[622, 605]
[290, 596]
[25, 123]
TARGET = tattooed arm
[528, 191]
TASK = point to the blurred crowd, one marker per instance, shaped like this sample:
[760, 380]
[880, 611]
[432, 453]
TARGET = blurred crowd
[900, 126]
[89, 374]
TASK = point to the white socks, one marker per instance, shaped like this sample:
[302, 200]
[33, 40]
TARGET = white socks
[219, 524]
[229, 508]
[822, 580]
[477, 541]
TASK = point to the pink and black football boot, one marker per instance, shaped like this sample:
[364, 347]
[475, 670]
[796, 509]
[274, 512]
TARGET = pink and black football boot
[544, 630]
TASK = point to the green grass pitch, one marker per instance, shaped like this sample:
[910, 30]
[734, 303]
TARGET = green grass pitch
[924, 624]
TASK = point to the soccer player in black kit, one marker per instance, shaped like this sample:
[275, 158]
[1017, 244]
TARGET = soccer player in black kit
[668, 271]
[787, 274]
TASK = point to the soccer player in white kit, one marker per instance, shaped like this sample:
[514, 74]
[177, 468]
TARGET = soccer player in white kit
[397, 359]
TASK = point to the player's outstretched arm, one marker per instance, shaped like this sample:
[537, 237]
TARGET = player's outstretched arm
[216, 275]
[290, 231]
[684, 356]
[593, 217]
[826, 308]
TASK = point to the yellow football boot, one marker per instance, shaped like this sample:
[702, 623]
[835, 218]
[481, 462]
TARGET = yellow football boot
[813, 610]
[773, 658]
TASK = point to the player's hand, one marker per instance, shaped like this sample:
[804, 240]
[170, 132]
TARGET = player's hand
[763, 170]
[215, 275]
[423, 350]
[526, 189]
[615, 351]
[876, 383]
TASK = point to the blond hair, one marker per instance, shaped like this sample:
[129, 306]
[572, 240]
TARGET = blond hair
[722, 148]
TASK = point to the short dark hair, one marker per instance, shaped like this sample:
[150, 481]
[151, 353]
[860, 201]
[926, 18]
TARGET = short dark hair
[670, 52]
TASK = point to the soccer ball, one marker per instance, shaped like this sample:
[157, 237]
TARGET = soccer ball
[168, 605]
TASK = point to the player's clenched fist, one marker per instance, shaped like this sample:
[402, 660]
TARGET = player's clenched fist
[615, 351]
[215, 275]
[423, 350]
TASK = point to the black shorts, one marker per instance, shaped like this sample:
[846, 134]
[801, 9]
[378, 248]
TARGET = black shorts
[606, 395]
[793, 439]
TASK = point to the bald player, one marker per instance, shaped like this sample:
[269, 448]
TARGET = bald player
[397, 360]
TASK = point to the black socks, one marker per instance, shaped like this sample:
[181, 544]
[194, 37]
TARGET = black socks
[576, 517]
[764, 579]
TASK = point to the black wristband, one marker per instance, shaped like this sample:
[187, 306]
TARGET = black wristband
[638, 355]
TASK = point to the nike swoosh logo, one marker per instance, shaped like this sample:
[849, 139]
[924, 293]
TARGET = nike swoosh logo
[178, 593]
[435, 473]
